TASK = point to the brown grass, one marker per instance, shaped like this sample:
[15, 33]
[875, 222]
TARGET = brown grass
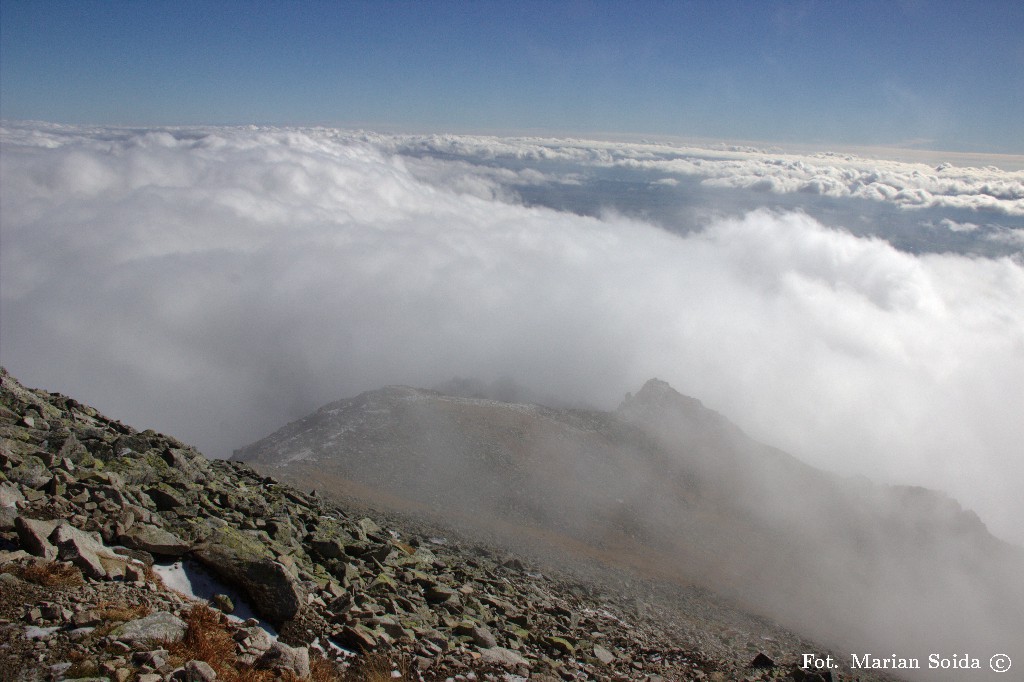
[377, 668]
[208, 639]
[114, 611]
[50, 574]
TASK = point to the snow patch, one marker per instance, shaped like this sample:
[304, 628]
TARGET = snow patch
[191, 580]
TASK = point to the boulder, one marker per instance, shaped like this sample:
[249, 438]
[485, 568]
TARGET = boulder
[154, 540]
[8, 516]
[280, 656]
[10, 495]
[503, 657]
[606, 657]
[158, 627]
[84, 551]
[194, 671]
[483, 637]
[33, 536]
[243, 560]
[164, 498]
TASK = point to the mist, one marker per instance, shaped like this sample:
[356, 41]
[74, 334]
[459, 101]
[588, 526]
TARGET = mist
[216, 283]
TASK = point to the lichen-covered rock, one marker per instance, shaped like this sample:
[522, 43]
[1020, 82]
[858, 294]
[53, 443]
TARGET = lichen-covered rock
[244, 561]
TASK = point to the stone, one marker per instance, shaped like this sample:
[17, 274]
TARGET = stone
[762, 661]
[30, 473]
[329, 548]
[158, 627]
[483, 637]
[439, 594]
[91, 556]
[223, 602]
[357, 638]
[154, 540]
[197, 671]
[7, 519]
[244, 561]
[34, 537]
[153, 659]
[253, 639]
[606, 657]
[10, 496]
[503, 657]
[280, 656]
[165, 498]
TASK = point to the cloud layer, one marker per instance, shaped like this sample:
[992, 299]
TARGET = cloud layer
[216, 283]
[908, 185]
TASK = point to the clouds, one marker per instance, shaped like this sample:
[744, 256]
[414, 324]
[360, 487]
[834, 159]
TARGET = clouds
[908, 185]
[215, 283]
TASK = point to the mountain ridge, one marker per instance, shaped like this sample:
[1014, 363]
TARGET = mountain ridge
[89, 506]
[663, 475]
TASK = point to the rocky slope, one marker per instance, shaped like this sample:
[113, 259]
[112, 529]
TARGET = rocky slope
[89, 505]
[666, 489]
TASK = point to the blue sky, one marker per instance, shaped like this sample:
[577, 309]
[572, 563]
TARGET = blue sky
[941, 75]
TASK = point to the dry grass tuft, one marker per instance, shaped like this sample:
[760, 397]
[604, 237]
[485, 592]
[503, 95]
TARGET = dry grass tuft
[120, 611]
[207, 639]
[322, 670]
[51, 574]
[379, 668]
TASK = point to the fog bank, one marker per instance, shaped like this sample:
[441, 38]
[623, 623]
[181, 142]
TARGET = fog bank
[216, 283]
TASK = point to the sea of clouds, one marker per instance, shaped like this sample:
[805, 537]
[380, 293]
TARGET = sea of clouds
[216, 283]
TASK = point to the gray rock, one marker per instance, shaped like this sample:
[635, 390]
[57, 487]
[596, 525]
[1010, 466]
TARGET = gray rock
[606, 657]
[329, 548]
[194, 671]
[10, 581]
[439, 594]
[33, 534]
[254, 639]
[10, 495]
[165, 499]
[91, 556]
[223, 602]
[154, 540]
[7, 517]
[357, 638]
[483, 637]
[159, 627]
[504, 657]
[244, 561]
[154, 659]
[31, 473]
[280, 656]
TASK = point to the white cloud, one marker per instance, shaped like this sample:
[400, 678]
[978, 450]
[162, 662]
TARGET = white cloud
[215, 283]
[909, 185]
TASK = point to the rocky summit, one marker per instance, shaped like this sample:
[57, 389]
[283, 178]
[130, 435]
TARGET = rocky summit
[96, 517]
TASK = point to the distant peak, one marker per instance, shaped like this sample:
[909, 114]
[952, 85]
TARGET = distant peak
[657, 390]
[658, 397]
